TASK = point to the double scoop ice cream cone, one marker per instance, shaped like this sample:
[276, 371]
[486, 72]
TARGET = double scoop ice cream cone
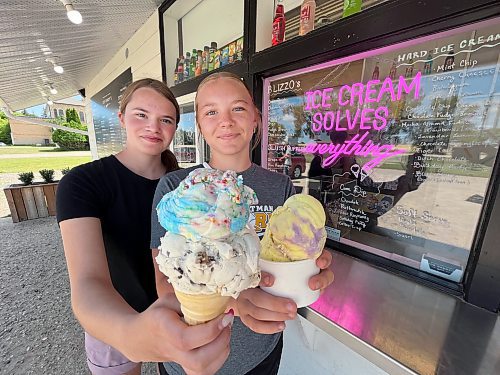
[209, 253]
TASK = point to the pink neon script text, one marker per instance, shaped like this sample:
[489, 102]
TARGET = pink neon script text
[354, 147]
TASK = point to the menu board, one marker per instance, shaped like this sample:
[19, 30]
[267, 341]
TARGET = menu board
[110, 137]
[397, 143]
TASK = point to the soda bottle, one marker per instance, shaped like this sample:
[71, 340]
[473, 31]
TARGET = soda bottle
[232, 52]
[449, 61]
[393, 71]
[194, 58]
[180, 69]
[187, 66]
[211, 58]
[176, 77]
[307, 13]
[239, 49]
[217, 58]
[428, 64]
[199, 63]
[206, 56]
[409, 69]
[279, 24]
[376, 72]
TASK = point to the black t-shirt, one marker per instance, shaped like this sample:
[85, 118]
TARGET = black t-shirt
[122, 200]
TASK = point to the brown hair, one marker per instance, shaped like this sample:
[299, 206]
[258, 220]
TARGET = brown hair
[167, 157]
[220, 75]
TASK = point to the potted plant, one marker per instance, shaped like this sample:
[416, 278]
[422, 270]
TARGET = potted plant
[31, 200]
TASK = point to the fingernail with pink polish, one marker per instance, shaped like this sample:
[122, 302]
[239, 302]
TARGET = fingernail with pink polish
[228, 319]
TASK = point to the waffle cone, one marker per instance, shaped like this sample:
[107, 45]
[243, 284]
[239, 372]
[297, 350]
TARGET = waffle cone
[201, 308]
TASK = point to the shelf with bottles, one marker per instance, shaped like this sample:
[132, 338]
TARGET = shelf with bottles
[282, 20]
[193, 29]
[199, 62]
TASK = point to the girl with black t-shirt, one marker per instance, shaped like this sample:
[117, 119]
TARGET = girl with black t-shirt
[104, 208]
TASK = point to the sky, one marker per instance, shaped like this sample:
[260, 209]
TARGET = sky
[37, 110]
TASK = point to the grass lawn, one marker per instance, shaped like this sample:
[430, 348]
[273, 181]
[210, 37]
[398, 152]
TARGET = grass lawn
[35, 164]
[12, 150]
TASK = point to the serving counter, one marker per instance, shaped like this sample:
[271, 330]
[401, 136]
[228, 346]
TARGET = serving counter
[401, 326]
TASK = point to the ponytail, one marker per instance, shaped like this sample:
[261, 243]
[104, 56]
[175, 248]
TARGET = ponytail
[169, 161]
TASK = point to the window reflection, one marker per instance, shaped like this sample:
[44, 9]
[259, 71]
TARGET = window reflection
[411, 180]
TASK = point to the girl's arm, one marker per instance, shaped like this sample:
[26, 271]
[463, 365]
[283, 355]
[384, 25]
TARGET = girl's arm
[158, 333]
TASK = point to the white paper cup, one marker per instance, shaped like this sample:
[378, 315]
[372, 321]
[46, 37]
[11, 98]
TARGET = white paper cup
[291, 280]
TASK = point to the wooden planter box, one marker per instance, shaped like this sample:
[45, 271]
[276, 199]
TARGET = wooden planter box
[31, 201]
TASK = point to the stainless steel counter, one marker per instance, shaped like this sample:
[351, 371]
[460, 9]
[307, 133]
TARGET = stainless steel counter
[423, 329]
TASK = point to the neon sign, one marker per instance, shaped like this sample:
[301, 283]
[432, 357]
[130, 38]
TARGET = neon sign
[364, 119]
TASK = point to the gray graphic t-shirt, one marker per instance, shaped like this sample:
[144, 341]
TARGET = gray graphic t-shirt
[248, 348]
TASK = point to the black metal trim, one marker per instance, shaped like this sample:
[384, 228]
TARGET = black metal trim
[249, 28]
[388, 23]
[162, 47]
[165, 5]
[482, 278]
[180, 36]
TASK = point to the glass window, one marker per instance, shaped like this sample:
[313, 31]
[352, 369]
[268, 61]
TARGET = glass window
[300, 17]
[61, 113]
[82, 116]
[398, 143]
[185, 137]
[201, 36]
[110, 136]
[55, 113]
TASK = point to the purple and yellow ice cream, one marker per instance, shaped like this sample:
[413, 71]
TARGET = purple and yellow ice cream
[296, 230]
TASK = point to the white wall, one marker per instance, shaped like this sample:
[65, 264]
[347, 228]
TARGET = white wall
[222, 19]
[309, 350]
[143, 58]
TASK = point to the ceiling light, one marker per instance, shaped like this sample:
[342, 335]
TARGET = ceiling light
[50, 102]
[58, 69]
[73, 15]
[52, 90]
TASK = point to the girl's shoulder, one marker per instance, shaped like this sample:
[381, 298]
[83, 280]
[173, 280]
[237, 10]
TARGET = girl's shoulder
[175, 177]
[93, 169]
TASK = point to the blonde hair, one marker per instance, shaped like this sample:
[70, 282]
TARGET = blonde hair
[220, 75]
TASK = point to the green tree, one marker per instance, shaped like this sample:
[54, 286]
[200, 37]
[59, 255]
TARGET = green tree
[72, 115]
[69, 140]
[5, 129]
[301, 120]
[276, 133]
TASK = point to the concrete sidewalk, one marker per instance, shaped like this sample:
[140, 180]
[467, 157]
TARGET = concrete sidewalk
[38, 332]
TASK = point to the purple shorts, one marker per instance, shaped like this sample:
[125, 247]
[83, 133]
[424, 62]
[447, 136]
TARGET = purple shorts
[103, 359]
